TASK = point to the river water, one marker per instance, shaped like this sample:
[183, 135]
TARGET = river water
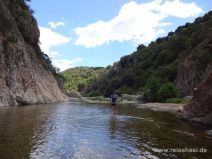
[82, 131]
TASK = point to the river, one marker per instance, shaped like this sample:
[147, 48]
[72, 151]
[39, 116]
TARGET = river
[89, 131]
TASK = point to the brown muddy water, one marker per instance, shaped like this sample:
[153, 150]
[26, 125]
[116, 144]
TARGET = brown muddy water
[82, 131]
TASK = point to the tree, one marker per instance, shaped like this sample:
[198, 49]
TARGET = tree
[166, 91]
[150, 90]
[141, 47]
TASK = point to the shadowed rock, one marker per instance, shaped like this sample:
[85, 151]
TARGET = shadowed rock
[24, 79]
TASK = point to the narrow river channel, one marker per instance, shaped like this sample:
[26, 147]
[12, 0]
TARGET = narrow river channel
[83, 131]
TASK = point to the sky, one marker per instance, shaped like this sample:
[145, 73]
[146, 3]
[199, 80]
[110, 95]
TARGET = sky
[99, 32]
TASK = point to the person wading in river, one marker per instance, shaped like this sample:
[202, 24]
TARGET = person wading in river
[113, 102]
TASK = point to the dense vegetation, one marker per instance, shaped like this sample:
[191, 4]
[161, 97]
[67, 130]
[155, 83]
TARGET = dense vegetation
[153, 69]
[79, 78]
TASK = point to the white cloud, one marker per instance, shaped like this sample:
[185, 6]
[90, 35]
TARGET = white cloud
[56, 24]
[64, 64]
[180, 9]
[49, 38]
[141, 23]
[53, 54]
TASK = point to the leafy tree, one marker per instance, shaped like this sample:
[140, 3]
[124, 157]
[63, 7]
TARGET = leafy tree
[80, 77]
[141, 47]
[166, 91]
[150, 90]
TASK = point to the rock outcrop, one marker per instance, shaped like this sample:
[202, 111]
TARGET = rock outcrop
[194, 69]
[74, 94]
[25, 76]
[200, 107]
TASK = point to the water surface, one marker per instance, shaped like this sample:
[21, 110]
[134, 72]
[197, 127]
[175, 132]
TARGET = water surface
[82, 131]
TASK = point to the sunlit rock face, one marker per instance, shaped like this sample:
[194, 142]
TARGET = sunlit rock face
[24, 74]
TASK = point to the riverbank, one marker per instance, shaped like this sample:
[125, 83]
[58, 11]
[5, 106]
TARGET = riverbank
[170, 107]
[104, 101]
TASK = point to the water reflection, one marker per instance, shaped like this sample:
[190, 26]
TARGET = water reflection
[113, 125]
[71, 130]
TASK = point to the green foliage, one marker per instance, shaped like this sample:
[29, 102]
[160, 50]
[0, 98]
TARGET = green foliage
[125, 90]
[19, 1]
[166, 91]
[177, 100]
[141, 47]
[21, 8]
[22, 1]
[153, 68]
[46, 61]
[79, 77]
[150, 89]
[168, 72]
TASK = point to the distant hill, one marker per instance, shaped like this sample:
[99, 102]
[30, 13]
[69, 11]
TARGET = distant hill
[78, 78]
[169, 67]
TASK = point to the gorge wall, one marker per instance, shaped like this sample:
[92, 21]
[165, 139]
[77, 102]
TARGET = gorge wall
[200, 107]
[25, 76]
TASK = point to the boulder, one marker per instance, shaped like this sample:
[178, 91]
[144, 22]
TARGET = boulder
[74, 94]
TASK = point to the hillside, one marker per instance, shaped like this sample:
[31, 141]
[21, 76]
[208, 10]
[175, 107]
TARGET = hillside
[79, 78]
[26, 73]
[172, 66]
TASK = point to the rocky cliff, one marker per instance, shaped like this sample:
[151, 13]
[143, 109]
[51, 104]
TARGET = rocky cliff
[194, 68]
[25, 76]
[200, 107]
[193, 78]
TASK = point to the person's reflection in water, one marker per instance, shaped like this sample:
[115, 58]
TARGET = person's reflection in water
[113, 126]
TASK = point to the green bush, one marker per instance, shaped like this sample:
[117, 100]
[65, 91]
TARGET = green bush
[177, 100]
[80, 77]
[169, 73]
[166, 91]
[126, 90]
[150, 90]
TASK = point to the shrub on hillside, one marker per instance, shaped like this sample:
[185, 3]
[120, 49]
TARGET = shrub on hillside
[177, 100]
[150, 90]
[166, 91]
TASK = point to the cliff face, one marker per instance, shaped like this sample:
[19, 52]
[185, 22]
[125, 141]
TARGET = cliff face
[193, 78]
[24, 75]
[200, 107]
[194, 69]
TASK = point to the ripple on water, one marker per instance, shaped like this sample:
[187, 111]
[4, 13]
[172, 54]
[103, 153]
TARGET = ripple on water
[65, 131]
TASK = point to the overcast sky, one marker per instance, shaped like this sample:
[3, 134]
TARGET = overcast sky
[99, 32]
